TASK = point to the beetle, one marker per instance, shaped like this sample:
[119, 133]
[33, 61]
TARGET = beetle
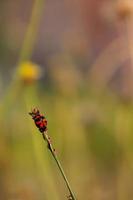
[40, 120]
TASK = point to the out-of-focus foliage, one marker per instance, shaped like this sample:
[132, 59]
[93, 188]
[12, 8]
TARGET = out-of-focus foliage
[79, 74]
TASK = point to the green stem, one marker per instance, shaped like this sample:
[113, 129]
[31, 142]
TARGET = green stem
[31, 33]
[52, 150]
[27, 46]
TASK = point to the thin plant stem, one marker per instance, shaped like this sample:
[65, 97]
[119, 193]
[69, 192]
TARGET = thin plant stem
[31, 33]
[30, 99]
[27, 47]
[53, 152]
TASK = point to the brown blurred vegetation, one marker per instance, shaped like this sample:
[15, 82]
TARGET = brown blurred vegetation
[76, 65]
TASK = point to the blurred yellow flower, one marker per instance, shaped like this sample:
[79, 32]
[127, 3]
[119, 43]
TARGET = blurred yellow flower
[124, 8]
[29, 72]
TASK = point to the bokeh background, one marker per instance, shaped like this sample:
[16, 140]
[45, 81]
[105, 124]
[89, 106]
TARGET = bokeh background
[74, 61]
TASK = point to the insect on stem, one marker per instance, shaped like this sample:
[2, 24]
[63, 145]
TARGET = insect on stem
[41, 123]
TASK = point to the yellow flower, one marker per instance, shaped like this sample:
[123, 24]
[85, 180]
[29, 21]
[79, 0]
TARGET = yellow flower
[124, 9]
[29, 72]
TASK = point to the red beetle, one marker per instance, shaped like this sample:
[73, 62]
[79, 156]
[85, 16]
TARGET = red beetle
[39, 120]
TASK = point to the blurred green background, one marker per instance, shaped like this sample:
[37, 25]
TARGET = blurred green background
[74, 61]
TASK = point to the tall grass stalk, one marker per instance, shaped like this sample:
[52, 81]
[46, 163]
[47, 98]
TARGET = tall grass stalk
[30, 36]
[41, 123]
[44, 173]
[53, 152]
[25, 53]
